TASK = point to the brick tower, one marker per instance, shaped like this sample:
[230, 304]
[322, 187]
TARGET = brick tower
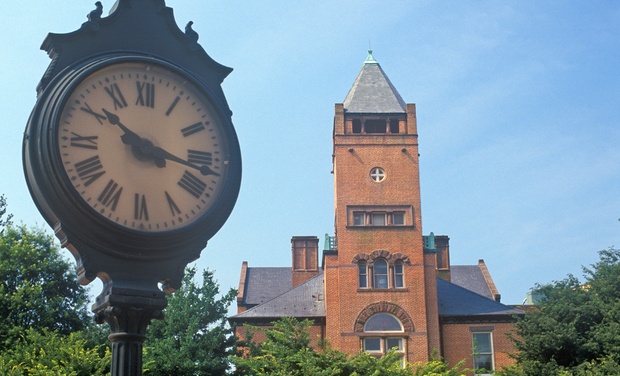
[380, 280]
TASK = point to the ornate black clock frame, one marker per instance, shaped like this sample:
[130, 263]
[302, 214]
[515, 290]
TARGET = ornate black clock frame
[130, 262]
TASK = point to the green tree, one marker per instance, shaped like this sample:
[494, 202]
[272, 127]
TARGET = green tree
[194, 337]
[44, 352]
[39, 288]
[7, 220]
[287, 350]
[576, 328]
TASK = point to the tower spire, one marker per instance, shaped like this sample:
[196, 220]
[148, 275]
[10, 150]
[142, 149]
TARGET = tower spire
[370, 59]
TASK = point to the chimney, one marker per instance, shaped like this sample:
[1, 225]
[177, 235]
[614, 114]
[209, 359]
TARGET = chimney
[305, 251]
[442, 244]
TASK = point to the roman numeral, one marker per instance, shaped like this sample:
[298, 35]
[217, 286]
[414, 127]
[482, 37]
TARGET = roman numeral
[97, 116]
[86, 142]
[174, 209]
[89, 169]
[110, 195]
[192, 184]
[194, 128]
[117, 97]
[199, 157]
[140, 211]
[173, 105]
[146, 94]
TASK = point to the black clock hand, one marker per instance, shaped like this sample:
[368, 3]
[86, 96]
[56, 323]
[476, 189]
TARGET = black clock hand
[143, 145]
[163, 154]
[129, 137]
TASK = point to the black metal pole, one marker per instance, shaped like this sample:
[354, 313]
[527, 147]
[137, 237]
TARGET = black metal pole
[128, 313]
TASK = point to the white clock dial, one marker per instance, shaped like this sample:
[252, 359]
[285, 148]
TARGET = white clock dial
[143, 147]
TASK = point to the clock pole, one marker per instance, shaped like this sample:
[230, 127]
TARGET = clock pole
[128, 317]
[113, 221]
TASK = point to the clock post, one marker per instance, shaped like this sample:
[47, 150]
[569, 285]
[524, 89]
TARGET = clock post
[131, 156]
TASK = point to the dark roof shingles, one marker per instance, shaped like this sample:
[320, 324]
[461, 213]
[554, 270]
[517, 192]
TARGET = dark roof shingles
[372, 92]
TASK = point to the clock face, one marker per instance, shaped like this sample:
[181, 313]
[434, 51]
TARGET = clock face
[143, 147]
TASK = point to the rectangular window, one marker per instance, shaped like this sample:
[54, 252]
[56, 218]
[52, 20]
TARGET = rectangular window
[399, 275]
[378, 347]
[380, 216]
[394, 343]
[378, 219]
[483, 353]
[359, 218]
[363, 274]
[372, 345]
[398, 218]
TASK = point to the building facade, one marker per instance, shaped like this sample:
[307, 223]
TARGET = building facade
[381, 284]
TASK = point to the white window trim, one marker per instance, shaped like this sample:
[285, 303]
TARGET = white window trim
[492, 353]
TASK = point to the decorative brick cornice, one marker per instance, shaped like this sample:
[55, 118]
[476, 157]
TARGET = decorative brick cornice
[360, 257]
[381, 254]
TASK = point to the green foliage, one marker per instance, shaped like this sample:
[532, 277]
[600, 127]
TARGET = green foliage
[38, 288]
[194, 337]
[576, 330]
[48, 353]
[7, 220]
[287, 351]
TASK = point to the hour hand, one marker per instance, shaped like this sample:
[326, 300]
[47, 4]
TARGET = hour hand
[128, 137]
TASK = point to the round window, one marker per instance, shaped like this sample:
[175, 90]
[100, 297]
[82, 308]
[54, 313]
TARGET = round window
[377, 174]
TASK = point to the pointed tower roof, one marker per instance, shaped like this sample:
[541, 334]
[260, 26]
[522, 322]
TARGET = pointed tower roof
[372, 92]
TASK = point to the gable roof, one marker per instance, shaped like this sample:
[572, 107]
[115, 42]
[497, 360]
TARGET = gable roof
[263, 284]
[305, 300]
[372, 92]
[471, 278]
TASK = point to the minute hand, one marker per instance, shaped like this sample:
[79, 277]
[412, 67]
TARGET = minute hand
[161, 153]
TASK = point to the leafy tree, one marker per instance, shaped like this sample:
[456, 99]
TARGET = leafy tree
[287, 351]
[576, 329]
[44, 352]
[39, 288]
[4, 222]
[194, 337]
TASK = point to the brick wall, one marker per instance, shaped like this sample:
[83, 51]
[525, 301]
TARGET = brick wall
[458, 345]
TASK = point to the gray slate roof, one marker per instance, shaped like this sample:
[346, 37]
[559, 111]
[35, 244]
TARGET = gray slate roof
[270, 289]
[458, 301]
[305, 300]
[264, 284]
[471, 278]
[373, 93]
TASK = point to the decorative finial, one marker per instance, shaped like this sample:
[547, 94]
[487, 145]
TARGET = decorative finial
[95, 15]
[193, 35]
[370, 59]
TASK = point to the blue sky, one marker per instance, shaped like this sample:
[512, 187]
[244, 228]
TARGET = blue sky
[517, 104]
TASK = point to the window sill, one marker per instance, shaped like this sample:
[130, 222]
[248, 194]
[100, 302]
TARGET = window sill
[391, 289]
[386, 227]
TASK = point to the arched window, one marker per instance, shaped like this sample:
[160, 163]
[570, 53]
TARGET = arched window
[399, 274]
[380, 274]
[362, 268]
[383, 335]
[383, 322]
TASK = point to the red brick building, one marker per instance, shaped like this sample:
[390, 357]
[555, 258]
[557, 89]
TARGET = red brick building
[381, 283]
